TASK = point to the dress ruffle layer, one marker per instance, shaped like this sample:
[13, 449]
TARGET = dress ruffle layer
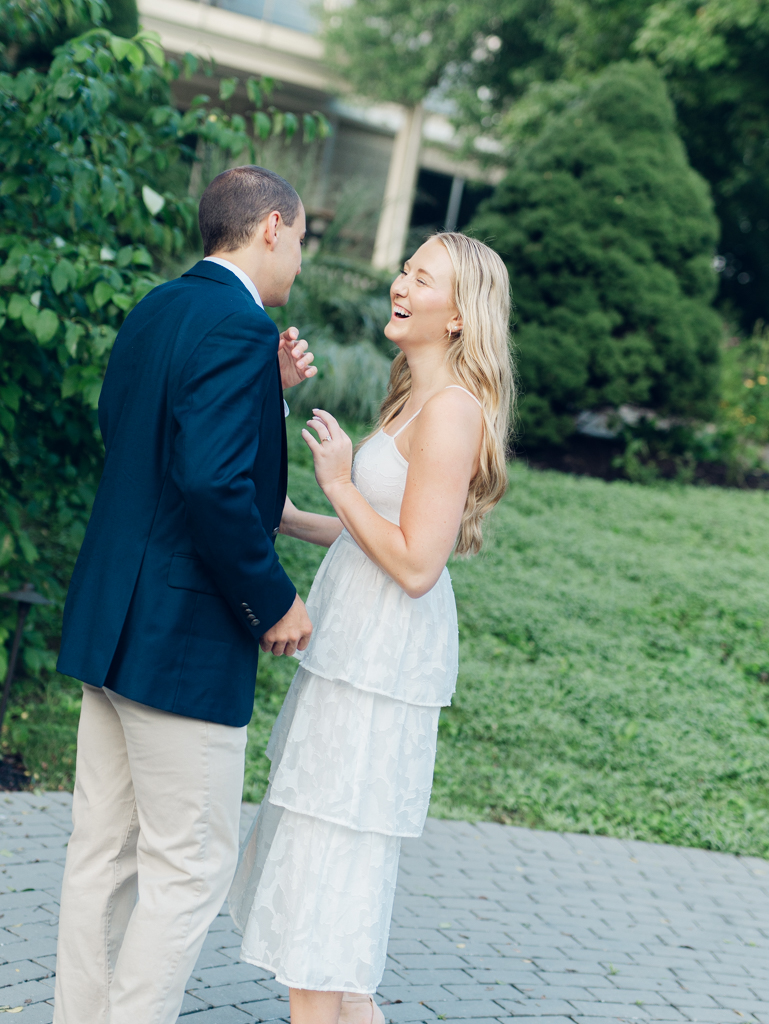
[313, 901]
[371, 634]
[352, 757]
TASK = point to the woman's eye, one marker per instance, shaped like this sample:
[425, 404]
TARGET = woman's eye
[420, 281]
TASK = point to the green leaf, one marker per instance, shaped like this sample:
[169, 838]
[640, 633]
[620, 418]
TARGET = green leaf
[141, 257]
[29, 318]
[91, 393]
[102, 293]
[278, 119]
[154, 51]
[253, 92]
[120, 47]
[262, 124]
[227, 87]
[123, 257]
[46, 325]
[10, 184]
[24, 85]
[123, 301]
[16, 306]
[72, 334]
[103, 338]
[323, 123]
[136, 56]
[310, 127]
[28, 549]
[70, 382]
[65, 88]
[7, 272]
[190, 62]
[64, 276]
[7, 547]
[81, 52]
[290, 124]
[10, 395]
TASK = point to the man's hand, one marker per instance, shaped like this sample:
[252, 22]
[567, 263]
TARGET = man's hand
[294, 358]
[290, 633]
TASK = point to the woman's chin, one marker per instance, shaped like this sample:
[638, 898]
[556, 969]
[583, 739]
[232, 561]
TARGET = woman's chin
[393, 331]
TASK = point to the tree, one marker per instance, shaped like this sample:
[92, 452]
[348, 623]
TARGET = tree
[489, 56]
[608, 236]
[93, 202]
[714, 58]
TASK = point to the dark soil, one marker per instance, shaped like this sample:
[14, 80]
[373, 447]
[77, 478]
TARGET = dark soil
[13, 774]
[594, 456]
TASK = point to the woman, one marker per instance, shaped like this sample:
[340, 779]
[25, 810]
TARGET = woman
[353, 748]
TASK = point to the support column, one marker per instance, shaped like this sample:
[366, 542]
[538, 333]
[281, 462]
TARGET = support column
[455, 201]
[399, 192]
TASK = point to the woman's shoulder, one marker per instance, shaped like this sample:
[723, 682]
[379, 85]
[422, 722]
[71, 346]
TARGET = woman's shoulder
[451, 420]
[456, 401]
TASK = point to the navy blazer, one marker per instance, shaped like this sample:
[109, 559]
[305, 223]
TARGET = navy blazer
[178, 577]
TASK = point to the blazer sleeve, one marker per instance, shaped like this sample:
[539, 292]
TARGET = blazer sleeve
[218, 410]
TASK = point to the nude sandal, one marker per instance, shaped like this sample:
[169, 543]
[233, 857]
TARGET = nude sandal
[377, 1017]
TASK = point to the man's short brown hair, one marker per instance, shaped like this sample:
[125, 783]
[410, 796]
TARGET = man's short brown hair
[237, 201]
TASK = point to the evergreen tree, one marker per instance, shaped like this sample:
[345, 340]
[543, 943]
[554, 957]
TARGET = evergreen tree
[608, 235]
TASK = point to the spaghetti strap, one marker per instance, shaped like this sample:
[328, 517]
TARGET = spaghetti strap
[459, 386]
[401, 429]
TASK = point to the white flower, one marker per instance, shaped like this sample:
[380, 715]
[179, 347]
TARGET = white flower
[152, 200]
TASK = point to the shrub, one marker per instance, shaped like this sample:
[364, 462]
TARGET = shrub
[96, 163]
[608, 235]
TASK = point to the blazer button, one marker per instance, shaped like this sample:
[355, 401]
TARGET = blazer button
[244, 605]
[255, 622]
[275, 532]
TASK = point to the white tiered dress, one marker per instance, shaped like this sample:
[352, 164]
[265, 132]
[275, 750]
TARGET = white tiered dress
[353, 753]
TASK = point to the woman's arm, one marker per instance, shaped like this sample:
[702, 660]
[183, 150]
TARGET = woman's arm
[443, 451]
[309, 526]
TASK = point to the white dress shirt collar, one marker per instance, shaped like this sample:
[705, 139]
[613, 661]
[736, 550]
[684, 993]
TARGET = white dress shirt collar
[239, 274]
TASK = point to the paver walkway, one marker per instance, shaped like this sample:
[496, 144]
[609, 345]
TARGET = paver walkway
[491, 922]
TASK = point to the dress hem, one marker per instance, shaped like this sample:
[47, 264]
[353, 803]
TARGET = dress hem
[370, 689]
[282, 980]
[345, 824]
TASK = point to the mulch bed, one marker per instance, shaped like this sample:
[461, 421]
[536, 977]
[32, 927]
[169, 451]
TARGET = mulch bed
[594, 456]
[14, 776]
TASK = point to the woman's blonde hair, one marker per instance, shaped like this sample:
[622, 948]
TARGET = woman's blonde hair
[479, 359]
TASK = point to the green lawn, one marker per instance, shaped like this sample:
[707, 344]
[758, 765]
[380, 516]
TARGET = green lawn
[614, 663]
[614, 666]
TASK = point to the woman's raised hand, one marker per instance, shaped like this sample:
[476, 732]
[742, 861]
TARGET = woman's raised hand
[332, 453]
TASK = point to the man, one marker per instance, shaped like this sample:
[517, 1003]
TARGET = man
[176, 584]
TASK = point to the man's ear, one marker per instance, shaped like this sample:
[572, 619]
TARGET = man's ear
[272, 226]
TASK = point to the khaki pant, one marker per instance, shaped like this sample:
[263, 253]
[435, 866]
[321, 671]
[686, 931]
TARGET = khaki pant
[155, 816]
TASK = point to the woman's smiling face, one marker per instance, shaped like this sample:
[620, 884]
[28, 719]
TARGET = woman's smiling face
[422, 296]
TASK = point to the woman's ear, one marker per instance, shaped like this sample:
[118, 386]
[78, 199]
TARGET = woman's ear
[454, 325]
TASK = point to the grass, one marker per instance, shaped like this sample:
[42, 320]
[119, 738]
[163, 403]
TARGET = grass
[614, 674]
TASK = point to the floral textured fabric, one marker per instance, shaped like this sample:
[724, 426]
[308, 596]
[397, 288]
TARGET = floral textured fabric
[353, 752]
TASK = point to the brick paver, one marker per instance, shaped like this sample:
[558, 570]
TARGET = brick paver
[491, 923]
